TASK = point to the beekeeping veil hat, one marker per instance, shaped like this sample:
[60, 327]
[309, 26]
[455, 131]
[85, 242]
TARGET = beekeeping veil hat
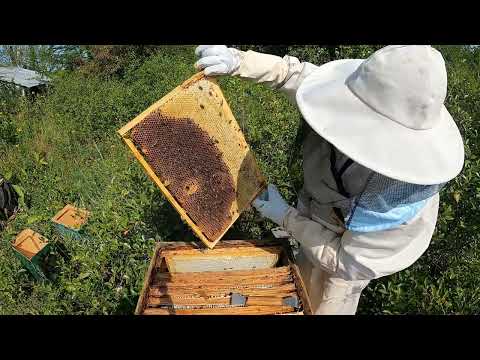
[387, 113]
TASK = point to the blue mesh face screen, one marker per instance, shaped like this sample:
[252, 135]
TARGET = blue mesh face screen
[374, 201]
[387, 203]
[382, 194]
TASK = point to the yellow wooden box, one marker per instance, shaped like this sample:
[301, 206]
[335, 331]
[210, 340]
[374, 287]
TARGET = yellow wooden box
[192, 147]
[71, 217]
[31, 248]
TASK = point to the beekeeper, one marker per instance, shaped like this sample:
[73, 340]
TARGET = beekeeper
[380, 145]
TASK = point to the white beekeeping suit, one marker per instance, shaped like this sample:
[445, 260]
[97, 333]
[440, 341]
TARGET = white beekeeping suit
[379, 148]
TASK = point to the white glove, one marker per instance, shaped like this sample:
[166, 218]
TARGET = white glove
[217, 60]
[271, 205]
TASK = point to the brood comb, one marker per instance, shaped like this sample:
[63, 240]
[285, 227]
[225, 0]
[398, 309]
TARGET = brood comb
[192, 147]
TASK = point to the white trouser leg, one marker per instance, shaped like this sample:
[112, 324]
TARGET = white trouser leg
[329, 295]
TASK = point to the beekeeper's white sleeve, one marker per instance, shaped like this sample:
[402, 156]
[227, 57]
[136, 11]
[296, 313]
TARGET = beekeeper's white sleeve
[285, 74]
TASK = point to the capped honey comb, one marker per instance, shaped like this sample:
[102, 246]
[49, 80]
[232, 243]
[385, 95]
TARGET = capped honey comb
[192, 147]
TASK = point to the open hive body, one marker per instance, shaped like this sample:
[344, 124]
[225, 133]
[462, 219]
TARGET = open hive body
[184, 280]
[194, 150]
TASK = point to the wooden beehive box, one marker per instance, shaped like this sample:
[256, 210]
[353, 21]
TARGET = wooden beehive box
[70, 220]
[30, 248]
[183, 279]
[192, 147]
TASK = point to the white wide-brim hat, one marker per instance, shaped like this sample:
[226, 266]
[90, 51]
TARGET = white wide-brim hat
[384, 132]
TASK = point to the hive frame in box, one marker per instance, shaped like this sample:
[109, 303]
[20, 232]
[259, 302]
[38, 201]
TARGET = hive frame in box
[125, 131]
[165, 246]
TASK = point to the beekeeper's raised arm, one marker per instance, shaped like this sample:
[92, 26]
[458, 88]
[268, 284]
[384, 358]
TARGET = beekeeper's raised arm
[285, 74]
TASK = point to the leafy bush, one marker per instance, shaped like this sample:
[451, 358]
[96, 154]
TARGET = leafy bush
[9, 105]
[115, 60]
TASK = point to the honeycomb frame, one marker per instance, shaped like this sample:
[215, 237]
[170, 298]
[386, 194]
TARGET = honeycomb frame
[200, 99]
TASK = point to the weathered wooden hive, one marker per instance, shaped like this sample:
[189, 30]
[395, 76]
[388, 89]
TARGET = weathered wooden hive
[194, 150]
[236, 278]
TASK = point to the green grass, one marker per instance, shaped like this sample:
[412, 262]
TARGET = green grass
[65, 150]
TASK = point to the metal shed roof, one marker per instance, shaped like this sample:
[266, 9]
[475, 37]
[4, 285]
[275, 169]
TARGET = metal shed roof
[23, 77]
